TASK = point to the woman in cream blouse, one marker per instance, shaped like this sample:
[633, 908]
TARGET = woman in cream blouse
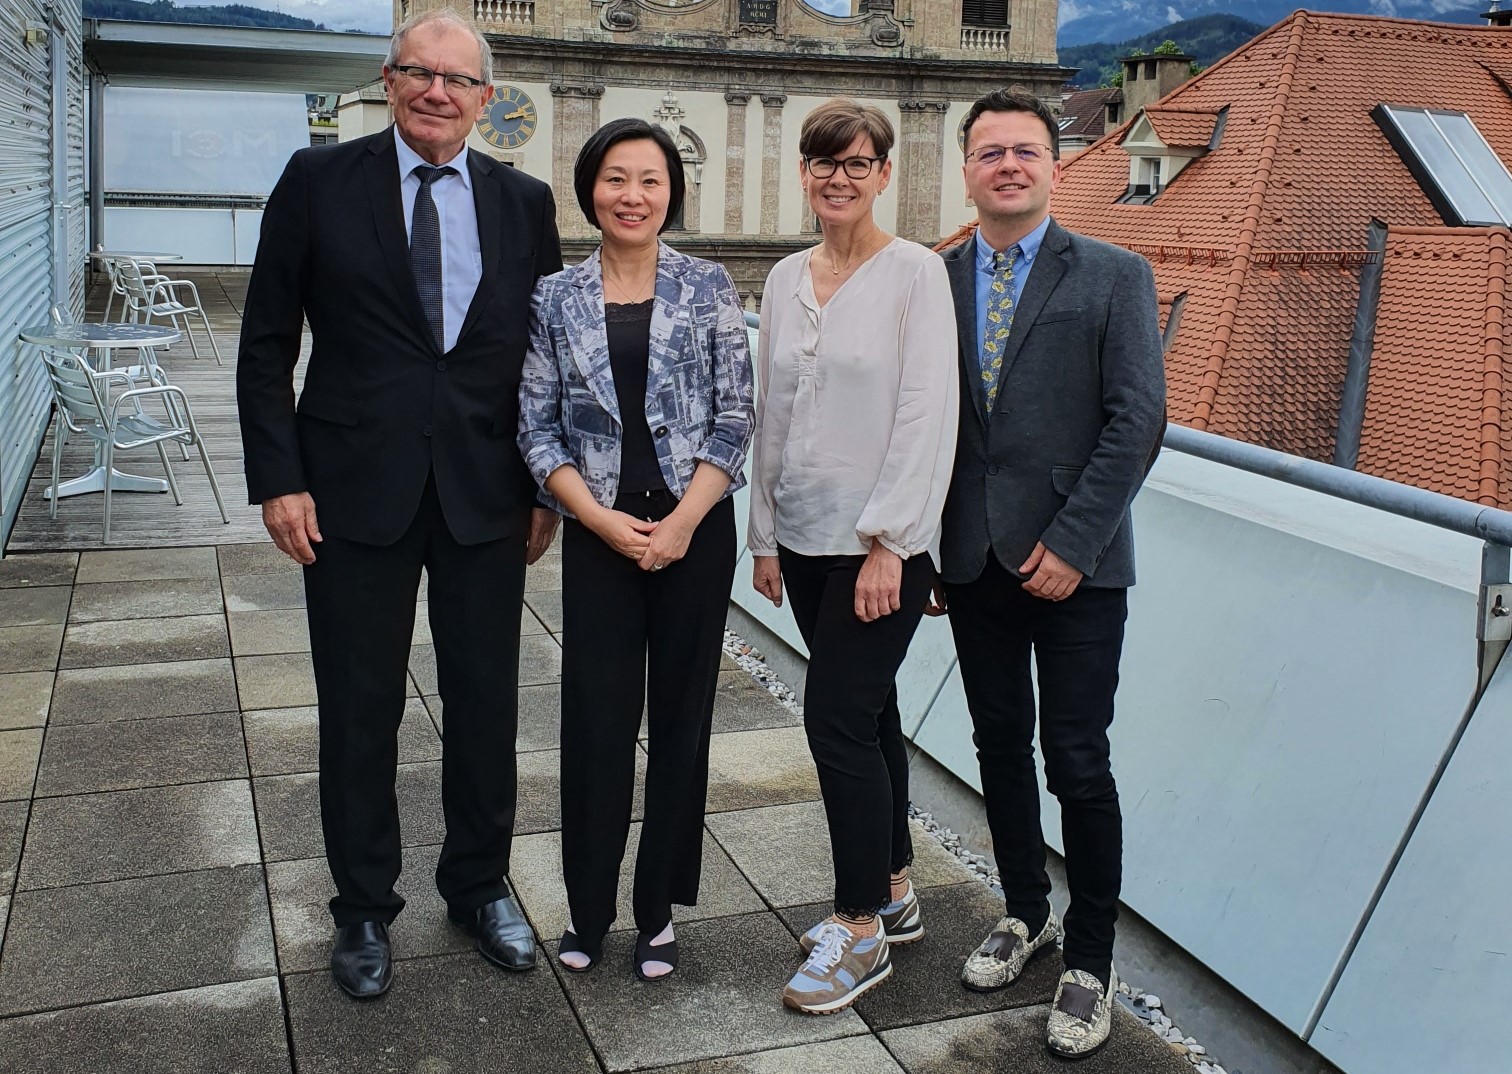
[855, 436]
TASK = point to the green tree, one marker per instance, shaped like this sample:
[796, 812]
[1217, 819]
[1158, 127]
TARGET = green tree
[1168, 48]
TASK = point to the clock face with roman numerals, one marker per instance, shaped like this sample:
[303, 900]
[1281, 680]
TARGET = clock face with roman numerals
[509, 120]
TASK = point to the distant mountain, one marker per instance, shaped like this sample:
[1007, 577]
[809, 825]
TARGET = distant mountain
[168, 11]
[1207, 40]
[1086, 21]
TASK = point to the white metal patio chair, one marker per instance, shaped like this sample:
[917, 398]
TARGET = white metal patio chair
[150, 295]
[87, 406]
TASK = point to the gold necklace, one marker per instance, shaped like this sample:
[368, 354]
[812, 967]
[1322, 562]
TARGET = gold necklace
[829, 256]
[641, 291]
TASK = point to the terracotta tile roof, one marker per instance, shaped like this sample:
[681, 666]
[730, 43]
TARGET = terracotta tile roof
[1266, 236]
[1183, 126]
[1086, 109]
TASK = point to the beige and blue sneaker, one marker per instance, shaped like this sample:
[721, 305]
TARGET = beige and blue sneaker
[840, 969]
[900, 920]
[1005, 952]
[1082, 1015]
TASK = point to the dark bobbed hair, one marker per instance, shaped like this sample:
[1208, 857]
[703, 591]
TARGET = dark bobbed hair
[591, 158]
[835, 124]
[1011, 99]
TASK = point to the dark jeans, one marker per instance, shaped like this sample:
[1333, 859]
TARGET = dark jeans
[1076, 645]
[361, 606]
[634, 638]
[850, 712]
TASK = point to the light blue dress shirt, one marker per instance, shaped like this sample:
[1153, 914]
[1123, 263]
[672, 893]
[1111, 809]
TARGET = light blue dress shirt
[461, 253]
[1029, 247]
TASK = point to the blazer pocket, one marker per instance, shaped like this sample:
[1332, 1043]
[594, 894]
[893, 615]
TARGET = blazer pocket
[1064, 478]
[335, 411]
[1069, 314]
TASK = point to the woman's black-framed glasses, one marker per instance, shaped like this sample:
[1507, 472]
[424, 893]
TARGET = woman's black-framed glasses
[855, 167]
[424, 76]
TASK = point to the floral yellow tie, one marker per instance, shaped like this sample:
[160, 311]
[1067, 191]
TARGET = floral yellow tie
[999, 321]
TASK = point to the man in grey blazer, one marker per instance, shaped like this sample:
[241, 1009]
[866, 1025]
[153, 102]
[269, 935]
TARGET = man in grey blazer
[1063, 401]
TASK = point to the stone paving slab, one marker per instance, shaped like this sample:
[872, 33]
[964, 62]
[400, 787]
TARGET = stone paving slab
[538, 805]
[121, 834]
[540, 717]
[45, 568]
[12, 831]
[237, 1028]
[849, 1055]
[544, 574]
[30, 648]
[288, 811]
[748, 769]
[734, 1003]
[146, 564]
[926, 982]
[137, 641]
[263, 592]
[547, 606]
[301, 890]
[142, 691]
[34, 606]
[455, 1014]
[285, 741]
[19, 751]
[535, 870]
[261, 558]
[283, 680]
[24, 699]
[145, 600]
[985, 1042]
[142, 753]
[4, 920]
[281, 630]
[743, 704]
[785, 851]
[133, 937]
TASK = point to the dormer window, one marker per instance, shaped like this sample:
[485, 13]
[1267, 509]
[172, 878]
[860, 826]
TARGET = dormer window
[1163, 141]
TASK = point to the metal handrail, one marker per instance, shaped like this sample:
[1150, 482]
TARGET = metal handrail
[1434, 508]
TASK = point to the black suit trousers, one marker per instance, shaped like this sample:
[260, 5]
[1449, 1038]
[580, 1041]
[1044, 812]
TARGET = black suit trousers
[1076, 644]
[361, 605]
[634, 638]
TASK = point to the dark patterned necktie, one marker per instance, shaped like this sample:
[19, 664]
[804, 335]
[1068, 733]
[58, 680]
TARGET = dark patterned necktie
[425, 251]
[999, 322]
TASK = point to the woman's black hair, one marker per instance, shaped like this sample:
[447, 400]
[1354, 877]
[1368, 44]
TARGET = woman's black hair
[591, 158]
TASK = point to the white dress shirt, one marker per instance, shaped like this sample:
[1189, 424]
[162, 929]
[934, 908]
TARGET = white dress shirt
[857, 408]
[461, 254]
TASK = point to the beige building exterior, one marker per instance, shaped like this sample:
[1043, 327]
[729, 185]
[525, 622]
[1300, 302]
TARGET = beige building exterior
[732, 81]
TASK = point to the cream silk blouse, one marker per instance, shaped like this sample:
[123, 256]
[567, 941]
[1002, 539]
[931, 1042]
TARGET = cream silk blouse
[856, 408]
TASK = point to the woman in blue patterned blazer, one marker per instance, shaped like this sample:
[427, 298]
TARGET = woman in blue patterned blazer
[635, 417]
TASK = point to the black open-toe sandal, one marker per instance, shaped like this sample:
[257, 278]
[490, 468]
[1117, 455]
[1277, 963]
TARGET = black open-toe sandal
[645, 952]
[572, 945]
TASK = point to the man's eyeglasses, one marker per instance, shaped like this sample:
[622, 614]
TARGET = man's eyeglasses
[424, 76]
[855, 167]
[1025, 153]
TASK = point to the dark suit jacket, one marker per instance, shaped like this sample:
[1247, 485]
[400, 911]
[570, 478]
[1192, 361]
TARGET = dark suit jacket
[1079, 407]
[381, 406]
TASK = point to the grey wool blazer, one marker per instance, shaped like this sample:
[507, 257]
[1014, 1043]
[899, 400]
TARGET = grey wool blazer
[1079, 407]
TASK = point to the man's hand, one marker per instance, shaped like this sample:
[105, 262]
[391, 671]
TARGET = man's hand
[766, 578]
[879, 584]
[1050, 577]
[543, 527]
[291, 523]
[937, 605]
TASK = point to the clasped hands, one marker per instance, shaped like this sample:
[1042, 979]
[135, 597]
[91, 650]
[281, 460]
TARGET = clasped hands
[653, 545]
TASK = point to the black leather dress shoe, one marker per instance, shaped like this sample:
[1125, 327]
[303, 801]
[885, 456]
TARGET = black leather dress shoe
[361, 961]
[504, 936]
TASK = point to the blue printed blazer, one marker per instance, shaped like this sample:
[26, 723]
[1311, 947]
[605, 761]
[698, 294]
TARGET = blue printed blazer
[698, 378]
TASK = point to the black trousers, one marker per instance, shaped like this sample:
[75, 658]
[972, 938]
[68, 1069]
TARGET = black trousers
[850, 713]
[361, 603]
[633, 640]
[1076, 645]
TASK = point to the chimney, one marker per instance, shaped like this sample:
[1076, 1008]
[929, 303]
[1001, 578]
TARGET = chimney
[1149, 78]
[1496, 16]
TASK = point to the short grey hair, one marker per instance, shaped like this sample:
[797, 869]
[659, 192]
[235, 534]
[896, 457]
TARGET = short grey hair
[447, 17]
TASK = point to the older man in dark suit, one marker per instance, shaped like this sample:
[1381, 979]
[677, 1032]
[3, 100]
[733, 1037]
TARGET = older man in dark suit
[1063, 400]
[413, 260]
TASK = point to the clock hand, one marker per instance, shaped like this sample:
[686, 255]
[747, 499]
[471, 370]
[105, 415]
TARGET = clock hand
[519, 113]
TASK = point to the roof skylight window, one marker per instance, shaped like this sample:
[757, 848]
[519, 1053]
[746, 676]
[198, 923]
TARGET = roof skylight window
[1450, 158]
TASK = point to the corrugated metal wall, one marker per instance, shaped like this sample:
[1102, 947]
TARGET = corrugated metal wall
[26, 220]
